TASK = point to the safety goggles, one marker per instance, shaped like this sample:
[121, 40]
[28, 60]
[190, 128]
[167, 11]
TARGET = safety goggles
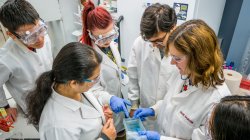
[31, 37]
[158, 42]
[97, 79]
[101, 40]
[177, 59]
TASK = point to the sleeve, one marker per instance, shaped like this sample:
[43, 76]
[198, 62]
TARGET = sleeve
[133, 85]
[58, 133]
[168, 138]
[156, 107]
[99, 92]
[201, 132]
[5, 75]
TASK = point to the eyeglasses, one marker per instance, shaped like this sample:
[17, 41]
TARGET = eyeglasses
[101, 40]
[97, 79]
[30, 38]
[158, 41]
[177, 59]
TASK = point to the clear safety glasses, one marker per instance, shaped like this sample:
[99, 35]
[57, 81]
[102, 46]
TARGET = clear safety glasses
[101, 40]
[158, 42]
[177, 59]
[97, 79]
[31, 37]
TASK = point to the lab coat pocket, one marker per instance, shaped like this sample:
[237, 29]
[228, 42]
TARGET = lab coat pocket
[184, 125]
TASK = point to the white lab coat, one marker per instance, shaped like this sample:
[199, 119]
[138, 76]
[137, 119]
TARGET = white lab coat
[20, 67]
[184, 115]
[111, 80]
[147, 73]
[67, 119]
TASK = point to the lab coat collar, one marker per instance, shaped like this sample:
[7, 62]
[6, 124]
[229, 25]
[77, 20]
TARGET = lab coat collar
[117, 56]
[65, 101]
[180, 83]
[155, 51]
[96, 104]
[106, 59]
[21, 45]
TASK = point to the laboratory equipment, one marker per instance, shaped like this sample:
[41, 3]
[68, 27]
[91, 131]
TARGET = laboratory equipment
[132, 126]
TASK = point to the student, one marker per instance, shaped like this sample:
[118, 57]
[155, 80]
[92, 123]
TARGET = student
[100, 31]
[194, 89]
[148, 68]
[25, 55]
[60, 103]
[230, 119]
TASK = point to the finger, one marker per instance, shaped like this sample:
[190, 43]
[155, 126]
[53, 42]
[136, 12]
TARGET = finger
[111, 125]
[143, 119]
[106, 125]
[15, 112]
[108, 115]
[142, 133]
[14, 115]
[125, 111]
[105, 107]
[127, 102]
[137, 112]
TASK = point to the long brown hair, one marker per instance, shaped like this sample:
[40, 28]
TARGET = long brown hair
[198, 41]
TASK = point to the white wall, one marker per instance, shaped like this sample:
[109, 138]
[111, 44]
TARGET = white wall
[211, 12]
[61, 31]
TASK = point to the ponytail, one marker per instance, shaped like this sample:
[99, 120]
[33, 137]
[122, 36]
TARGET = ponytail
[88, 6]
[37, 98]
[93, 18]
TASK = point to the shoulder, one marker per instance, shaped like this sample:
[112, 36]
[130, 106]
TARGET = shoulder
[215, 94]
[7, 49]
[139, 41]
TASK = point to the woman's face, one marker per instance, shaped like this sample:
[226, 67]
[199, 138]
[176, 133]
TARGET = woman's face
[179, 59]
[91, 80]
[104, 33]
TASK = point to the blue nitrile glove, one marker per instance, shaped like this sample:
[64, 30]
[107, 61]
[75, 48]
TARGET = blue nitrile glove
[118, 104]
[151, 135]
[143, 112]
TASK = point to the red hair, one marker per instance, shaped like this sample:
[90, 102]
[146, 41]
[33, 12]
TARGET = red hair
[93, 18]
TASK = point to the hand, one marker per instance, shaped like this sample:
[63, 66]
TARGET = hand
[12, 112]
[118, 104]
[151, 135]
[131, 113]
[143, 112]
[109, 129]
[107, 112]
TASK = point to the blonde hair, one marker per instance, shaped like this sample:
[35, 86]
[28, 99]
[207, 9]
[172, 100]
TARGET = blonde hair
[198, 41]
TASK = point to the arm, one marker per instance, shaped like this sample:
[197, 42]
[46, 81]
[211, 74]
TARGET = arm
[99, 92]
[4, 74]
[156, 107]
[134, 89]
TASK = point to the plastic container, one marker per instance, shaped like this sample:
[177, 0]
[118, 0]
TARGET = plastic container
[245, 84]
[132, 126]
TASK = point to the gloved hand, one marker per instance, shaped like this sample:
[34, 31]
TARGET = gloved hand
[118, 104]
[143, 112]
[151, 135]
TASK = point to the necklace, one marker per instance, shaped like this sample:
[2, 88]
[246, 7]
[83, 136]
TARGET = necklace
[187, 83]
